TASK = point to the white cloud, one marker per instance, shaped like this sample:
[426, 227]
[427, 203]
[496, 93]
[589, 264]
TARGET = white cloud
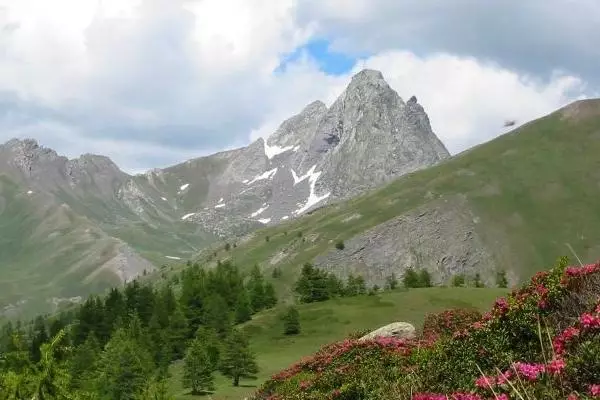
[153, 82]
[468, 100]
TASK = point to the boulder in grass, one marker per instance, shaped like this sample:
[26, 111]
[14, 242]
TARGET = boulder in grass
[398, 330]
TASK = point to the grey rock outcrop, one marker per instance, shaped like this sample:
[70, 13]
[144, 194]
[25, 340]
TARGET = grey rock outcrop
[397, 330]
[441, 236]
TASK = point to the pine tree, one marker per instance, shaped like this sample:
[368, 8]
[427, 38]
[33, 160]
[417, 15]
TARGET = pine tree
[177, 333]
[243, 311]
[216, 314]
[424, 278]
[410, 278]
[38, 337]
[124, 367]
[291, 321]
[270, 297]
[237, 360]
[83, 364]
[458, 280]
[192, 297]
[313, 285]
[335, 287]
[256, 289]
[52, 379]
[197, 369]
[210, 339]
[155, 389]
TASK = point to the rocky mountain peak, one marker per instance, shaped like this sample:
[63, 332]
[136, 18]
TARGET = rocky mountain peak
[367, 76]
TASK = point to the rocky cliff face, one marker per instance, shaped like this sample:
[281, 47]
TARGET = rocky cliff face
[368, 137]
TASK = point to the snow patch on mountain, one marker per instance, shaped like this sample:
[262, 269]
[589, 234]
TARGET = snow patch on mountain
[259, 211]
[183, 187]
[264, 220]
[272, 151]
[312, 197]
[265, 175]
[186, 216]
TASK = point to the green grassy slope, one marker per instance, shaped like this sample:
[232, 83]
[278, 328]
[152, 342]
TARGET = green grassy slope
[36, 245]
[333, 320]
[535, 191]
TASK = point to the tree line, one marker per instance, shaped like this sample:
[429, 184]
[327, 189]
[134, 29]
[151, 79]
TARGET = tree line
[119, 346]
[316, 284]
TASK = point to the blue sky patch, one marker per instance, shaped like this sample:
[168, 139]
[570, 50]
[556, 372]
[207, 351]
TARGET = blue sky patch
[330, 62]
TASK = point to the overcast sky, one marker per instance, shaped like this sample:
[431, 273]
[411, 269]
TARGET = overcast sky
[150, 83]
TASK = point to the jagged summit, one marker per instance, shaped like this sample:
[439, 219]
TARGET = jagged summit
[367, 75]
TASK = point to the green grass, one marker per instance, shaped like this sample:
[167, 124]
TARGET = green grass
[534, 190]
[331, 321]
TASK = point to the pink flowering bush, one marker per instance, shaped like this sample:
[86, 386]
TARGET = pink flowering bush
[540, 342]
[449, 321]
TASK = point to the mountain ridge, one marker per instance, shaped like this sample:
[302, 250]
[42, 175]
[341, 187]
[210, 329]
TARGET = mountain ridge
[322, 155]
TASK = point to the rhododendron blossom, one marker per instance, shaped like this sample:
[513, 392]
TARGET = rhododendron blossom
[556, 366]
[529, 371]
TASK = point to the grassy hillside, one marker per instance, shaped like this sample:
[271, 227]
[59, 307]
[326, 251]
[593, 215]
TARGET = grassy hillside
[40, 243]
[330, 321]
[533, 193]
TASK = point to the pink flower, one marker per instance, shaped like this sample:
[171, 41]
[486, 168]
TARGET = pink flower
[595, 390]
[504, 377]
[589, 321]
[485, 382]
[501, 305]
[556, 366]
[529, 371]
[573, 396]
[502, 396]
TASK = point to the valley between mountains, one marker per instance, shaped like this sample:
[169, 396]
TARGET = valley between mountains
[367, 172]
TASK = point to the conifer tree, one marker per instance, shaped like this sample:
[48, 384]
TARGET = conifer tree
[291, 321]
[177, 333]
[410, 278]
[237, 361]
[83, 363]
[243, 310]
[217, 314]
[424, 278]
[197, 369]
[38, 337]
[124, 367]
[52, 379]
[256, 289]
[210, 339]
[270, 297]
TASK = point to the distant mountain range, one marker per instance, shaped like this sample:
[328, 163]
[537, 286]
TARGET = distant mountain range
[73, 227]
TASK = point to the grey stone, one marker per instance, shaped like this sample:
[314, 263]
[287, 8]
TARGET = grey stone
[398, 330]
